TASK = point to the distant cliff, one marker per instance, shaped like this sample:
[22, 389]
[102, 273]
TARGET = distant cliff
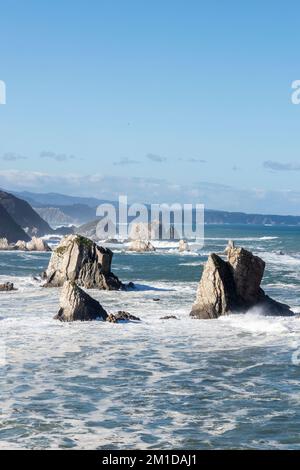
[81, 210]
[23, 214]
[10, 229]
[223, 217]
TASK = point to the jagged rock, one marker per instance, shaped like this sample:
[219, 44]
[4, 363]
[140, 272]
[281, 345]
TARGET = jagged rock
[77, 305]
[79, 259]
[21, 245]
[183, 246]
[121, 317]
[7, 287]
[141, 246]
[216, 291]
[154, 230]
[4, 244]
[234, 286]
[37, 244]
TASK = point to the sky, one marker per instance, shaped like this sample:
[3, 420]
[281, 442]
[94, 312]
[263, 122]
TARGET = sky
[165, 101]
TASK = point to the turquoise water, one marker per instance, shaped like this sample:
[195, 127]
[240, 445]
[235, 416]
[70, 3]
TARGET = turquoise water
[185, 383]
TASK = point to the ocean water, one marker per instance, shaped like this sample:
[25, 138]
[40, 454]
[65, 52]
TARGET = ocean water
[158, 384]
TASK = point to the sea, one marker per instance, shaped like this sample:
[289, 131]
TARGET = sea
[181, 383]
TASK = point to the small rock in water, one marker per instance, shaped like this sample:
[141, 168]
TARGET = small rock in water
[7, 287]
[141, 246]
[169, 317]
[183, 246]
[156, 299]
[121, 317]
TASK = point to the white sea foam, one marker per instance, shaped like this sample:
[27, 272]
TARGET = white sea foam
[154, 384]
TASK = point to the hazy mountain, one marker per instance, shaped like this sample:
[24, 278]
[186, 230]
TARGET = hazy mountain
[82, 210]
[57, 200]
[10, 229]
[24, 215]
[223, 217]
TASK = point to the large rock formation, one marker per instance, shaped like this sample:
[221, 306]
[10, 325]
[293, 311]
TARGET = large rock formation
[234, 286]
[77, 305]
[79, 259]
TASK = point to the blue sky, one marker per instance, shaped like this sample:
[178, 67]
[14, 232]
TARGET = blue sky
[165, 100]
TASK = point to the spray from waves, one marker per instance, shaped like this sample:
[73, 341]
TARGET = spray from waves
[280, 259]
[255, 321]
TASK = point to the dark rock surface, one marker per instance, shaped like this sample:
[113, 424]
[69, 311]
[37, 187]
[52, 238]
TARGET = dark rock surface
[121, 317]
[234, 286]
[77, 305]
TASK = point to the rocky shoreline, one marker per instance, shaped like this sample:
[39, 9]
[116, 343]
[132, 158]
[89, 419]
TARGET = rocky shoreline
[35, 244]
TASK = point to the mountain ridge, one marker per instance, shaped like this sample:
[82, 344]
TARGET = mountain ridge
[82, 210]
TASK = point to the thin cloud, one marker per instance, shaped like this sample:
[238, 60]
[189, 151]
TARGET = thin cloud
[126, 161]
[12, 157]
[146, 189]
[59, 157]
[192, 160]
[277, 166]
[156, 158]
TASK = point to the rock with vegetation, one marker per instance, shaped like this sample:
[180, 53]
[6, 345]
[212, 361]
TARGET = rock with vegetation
[80, 259]
[77, 305]
[233, 286]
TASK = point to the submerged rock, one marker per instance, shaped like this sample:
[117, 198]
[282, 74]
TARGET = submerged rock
[169, 317]
[141, 246]
[7, 287]
[121, 317]
[234, 286]
[80, 259]
[77, 305]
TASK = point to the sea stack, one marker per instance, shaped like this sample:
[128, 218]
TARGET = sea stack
[80, 259]
[77, 305]
[183, 246]
[233, 286]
